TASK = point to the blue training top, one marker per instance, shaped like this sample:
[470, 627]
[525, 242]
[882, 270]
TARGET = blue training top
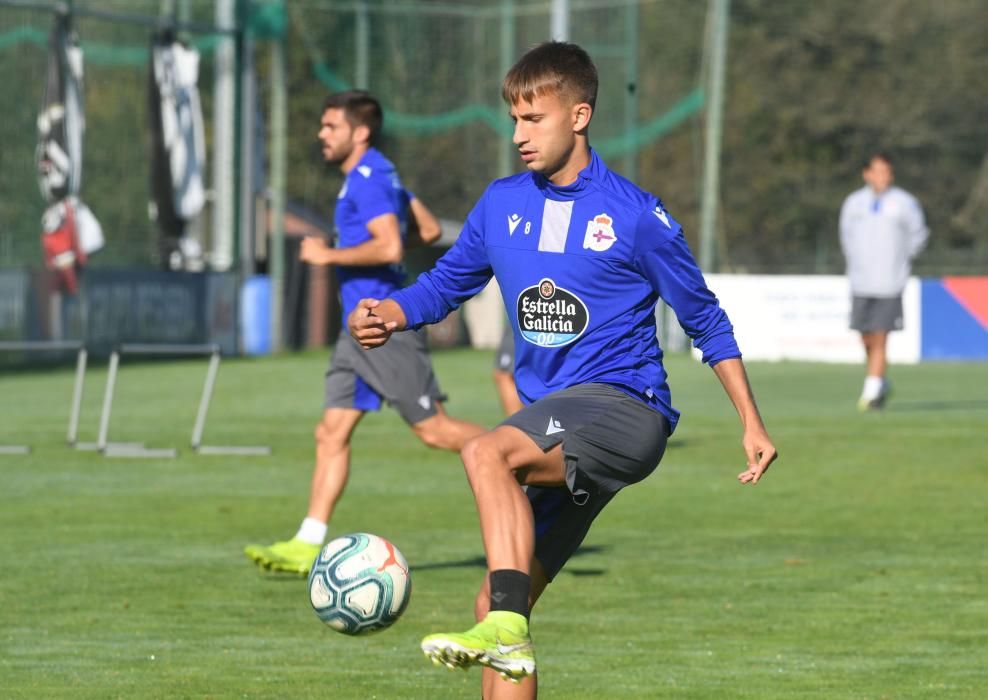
[371, 188]
[580, 268]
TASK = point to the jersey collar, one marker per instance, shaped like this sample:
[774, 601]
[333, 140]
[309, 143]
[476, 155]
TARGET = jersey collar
[578, 188]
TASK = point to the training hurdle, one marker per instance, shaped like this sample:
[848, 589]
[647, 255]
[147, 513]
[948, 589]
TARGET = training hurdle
[110, 449]
[80, 378]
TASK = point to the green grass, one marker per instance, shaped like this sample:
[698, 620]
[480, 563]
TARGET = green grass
[856, 569]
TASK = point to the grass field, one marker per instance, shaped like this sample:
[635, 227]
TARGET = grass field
[856, 569]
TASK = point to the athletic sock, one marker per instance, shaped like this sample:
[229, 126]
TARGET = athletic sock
[312, 531]
[872, 387]
[509, 591]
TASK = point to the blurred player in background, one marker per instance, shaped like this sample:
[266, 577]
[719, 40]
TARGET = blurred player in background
[371, 221]
[882, 228]
[504, 373]
[586, 255]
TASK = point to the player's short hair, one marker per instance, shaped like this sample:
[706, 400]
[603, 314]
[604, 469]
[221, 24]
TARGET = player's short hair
[553, 67]
[360, 109]
[877, 155]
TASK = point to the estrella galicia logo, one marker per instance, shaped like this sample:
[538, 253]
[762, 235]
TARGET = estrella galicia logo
[551, 316]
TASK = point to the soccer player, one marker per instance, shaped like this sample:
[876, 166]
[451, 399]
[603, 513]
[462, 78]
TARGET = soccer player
[371, 221]
[586, 254]
[504, 374]
[882, 228]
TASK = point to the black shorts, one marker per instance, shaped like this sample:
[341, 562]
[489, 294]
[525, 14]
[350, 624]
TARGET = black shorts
[399, 372]
[609, 440]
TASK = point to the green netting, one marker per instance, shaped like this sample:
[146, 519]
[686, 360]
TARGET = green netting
[435, 66]
[115, 181]
[97, 53]
[102, 54]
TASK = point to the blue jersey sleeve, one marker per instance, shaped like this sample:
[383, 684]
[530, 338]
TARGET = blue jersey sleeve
[374, 197]
[664, 258]
[461, 273]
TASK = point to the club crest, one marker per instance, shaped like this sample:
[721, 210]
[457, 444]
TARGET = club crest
[600, 233]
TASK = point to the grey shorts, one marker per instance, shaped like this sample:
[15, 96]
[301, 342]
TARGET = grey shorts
[399, 372]
[504, 357]
[870, 314]
[609, 440]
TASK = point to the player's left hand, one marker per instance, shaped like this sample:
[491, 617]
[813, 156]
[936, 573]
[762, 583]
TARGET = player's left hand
[760, 452]
[315, 251]
[367, 329]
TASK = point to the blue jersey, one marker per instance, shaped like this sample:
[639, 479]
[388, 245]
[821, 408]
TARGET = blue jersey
[371, 188]
[580, 268]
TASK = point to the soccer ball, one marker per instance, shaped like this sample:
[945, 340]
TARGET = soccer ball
[359, 583]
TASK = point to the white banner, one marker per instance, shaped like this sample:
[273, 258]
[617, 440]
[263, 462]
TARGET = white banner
[805, 317]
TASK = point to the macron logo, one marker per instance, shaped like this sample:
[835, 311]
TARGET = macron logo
[554, 427]
[513, 222]
[662, 216]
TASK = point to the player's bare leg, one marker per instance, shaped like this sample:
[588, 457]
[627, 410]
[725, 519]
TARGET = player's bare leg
[444, 432]
[329, 478]
[332, 468]
[507, 392]
[497, 464]
[875, 388]
[493, 687]
[875, 344]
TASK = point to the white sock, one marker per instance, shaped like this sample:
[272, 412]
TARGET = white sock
[872, 387]
[312, 531]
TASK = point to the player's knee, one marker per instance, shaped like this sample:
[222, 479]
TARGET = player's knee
[329, 436]
[480, 453]
[430, 432]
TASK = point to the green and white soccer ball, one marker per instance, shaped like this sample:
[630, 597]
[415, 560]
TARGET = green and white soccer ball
[359, 583]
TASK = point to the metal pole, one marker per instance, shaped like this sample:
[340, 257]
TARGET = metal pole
[720, 11]
[276, 254]
[80, 378]
[362, 73]
[104, 420]
[506, 153]
[207, 395]
[631, 87]
[248, 104]
[224, 96]
[168, 349]
[559, 20]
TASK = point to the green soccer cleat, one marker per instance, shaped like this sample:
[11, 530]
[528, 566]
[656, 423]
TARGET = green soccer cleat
[501, 642]
[292, 556]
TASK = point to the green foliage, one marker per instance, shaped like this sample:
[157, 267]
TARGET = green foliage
[855, 570]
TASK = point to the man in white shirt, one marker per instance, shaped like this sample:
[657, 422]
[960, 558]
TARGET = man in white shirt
[882, 228]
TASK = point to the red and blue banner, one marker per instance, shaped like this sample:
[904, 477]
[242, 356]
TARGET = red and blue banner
[954, 318]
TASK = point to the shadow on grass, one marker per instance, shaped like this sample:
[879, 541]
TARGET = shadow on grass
[473, 562]
[912, 406]
[481, 563]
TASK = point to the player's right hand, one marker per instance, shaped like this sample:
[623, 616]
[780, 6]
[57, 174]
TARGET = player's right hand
[367, 329]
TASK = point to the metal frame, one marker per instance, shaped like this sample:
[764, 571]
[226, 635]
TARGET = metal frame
[77, 389]
[110, 449]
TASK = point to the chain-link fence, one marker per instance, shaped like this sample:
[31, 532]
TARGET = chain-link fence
[116, 174]
[811, 88]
